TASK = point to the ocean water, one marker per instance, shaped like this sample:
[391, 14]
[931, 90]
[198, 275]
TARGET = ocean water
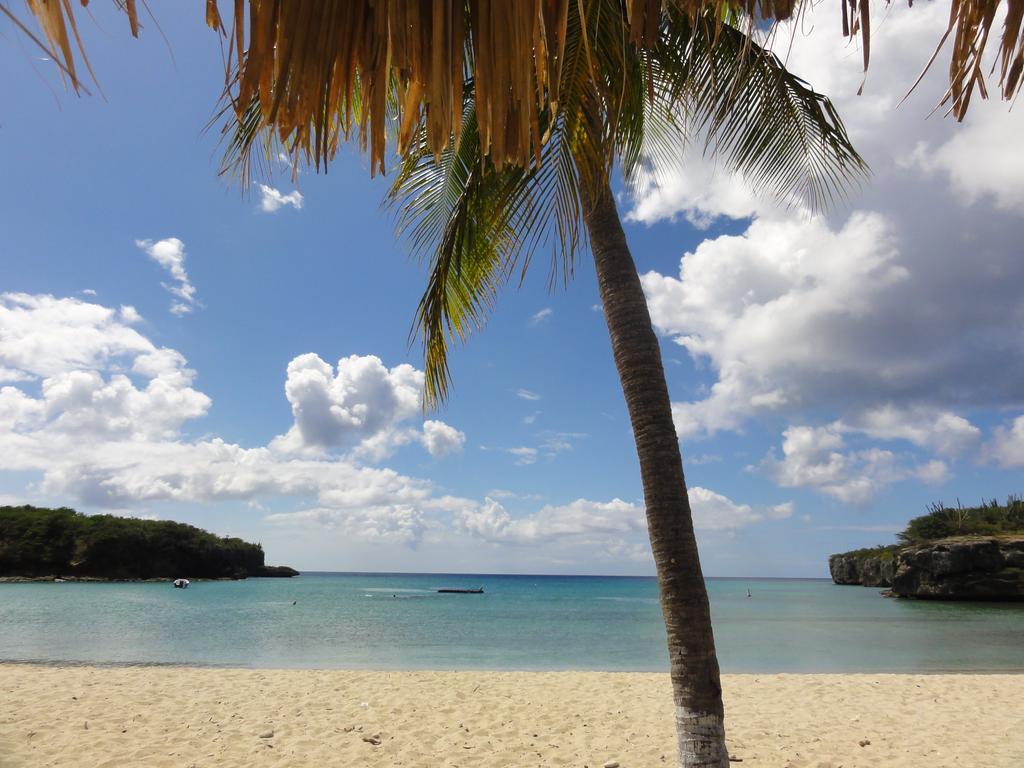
[399, 621]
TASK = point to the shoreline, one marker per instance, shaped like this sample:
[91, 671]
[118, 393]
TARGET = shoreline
[108, 580]
[226, 666]
[161, 717]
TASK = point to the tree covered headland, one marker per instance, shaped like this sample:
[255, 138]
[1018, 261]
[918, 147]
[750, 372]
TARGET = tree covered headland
[62, 542]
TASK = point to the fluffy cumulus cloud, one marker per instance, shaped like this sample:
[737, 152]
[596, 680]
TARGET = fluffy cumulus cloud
[884, 318]
[979, 160]
[818, 458]
[491, 522]
[272, 199]
[359, 399]
[713, 511]
[360, 406]
[99, 413]
[441, 439]
[1007, 446]
[943, 432]
[44, 336]
[98, 378]
[169, 253]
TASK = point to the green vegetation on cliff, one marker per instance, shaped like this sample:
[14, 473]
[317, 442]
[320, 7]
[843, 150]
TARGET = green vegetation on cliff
[884, 552]
[942, 522]
[61, 542]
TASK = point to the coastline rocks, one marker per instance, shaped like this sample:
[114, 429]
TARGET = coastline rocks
[967, 568]
[274, 572]
[870, 571]
[845, 569]
[972, 569]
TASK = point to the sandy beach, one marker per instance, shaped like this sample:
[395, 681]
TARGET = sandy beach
[102, 717]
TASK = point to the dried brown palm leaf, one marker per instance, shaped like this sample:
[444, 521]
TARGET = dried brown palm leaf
[307, 62]
[57, 20]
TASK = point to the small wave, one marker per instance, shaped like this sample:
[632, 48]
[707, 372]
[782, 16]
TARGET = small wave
[393, 590]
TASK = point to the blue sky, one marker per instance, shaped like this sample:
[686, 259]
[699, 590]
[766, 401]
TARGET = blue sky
[831, 375]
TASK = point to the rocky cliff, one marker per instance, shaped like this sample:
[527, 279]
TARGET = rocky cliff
[963, 568]
[974, 568]
[874, 570]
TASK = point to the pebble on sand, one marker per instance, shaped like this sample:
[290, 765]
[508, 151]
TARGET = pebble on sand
[267, 735]
[612, 764]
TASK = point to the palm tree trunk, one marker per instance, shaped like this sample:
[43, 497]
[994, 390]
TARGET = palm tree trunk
[684, 601]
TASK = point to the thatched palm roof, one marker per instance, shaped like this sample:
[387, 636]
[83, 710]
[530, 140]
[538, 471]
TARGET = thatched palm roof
[313, 68]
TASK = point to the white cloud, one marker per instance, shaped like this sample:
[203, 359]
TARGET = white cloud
[87, 356]
[713, 511]
[700, 194]
[271, 199]
[524, 454]
[979, 162]
[525, 394]
[441, 439]
[701, 458]
[785, 312]
[169, 253]
[530, 418]
[554, 443]
[817, 458]
[1007, 447]
[363, 407]
[103, 426]
[941, 431]
[362, 400]
[44, 336]
[87, 292]
[932, 472]
[85, 403]
[539, 317]
[886, 321]
[491, 522]
[18, 409]
[550, 445]
[129, 314]
[501, 493]
[404, 524]
[10, 375]
[100, 438]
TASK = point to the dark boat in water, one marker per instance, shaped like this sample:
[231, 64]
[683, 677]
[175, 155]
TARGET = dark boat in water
[477, 591]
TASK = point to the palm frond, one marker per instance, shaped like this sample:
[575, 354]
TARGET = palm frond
[761, 119]
[476, 226]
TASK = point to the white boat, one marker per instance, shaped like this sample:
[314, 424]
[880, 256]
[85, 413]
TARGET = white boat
[181, 583]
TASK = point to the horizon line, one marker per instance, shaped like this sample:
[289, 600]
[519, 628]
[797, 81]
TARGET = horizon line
[545, 575]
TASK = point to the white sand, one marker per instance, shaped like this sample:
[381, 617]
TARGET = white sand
[99, 717]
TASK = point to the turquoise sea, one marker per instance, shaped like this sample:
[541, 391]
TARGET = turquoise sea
[399, 621]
